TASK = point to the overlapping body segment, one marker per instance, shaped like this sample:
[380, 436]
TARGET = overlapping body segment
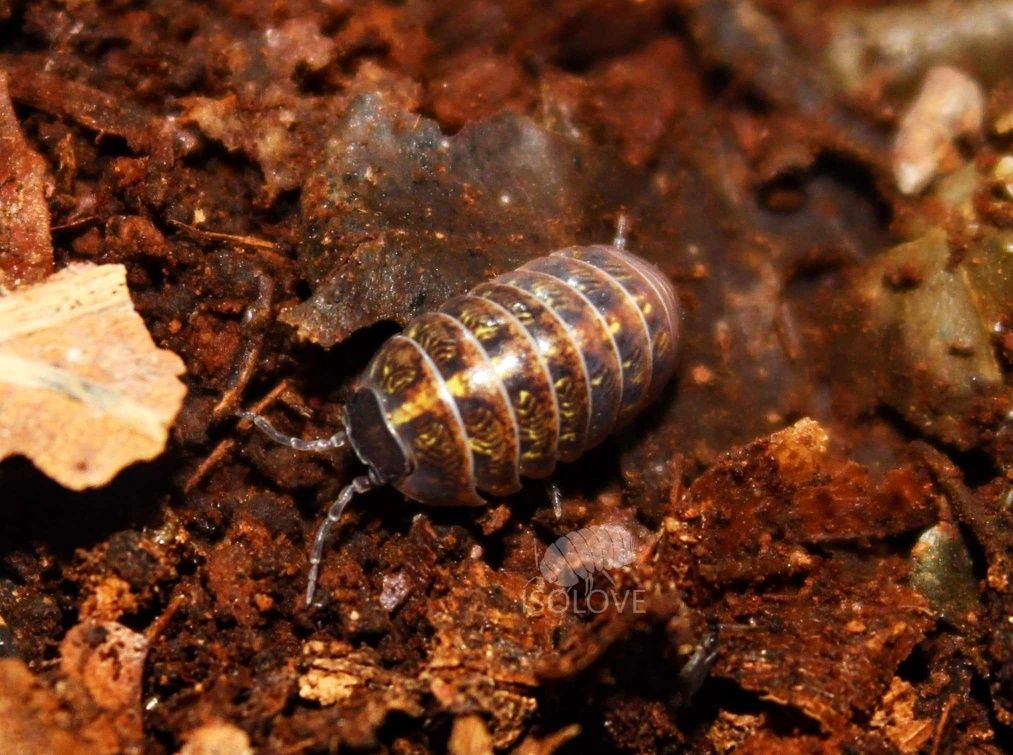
[514, 356]
[591, 338]
[479, 396]
[559, 355]
[624, 320]
[423, 417]
[653, 295]
[534, 367]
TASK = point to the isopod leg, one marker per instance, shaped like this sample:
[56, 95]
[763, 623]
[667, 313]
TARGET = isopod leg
[556, 496]
[619, 240]
[358, 485]
[698, 666]
[318, 445]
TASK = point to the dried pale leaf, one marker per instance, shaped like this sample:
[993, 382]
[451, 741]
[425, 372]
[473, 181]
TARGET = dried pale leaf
[106, 660]
[217, 739]
[84, 391]
[339, 674]
[470, 737]
[26, 252]
[951, 104]
[32, 718]
[355, 681]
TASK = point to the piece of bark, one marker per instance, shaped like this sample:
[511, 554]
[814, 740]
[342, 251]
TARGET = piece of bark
[26, 251]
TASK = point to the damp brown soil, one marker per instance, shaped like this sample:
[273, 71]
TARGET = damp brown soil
[820, 505]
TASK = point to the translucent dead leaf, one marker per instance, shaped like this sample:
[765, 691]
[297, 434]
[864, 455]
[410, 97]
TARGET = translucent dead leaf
[84, 391]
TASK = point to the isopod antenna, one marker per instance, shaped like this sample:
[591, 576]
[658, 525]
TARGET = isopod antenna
[358, 485]
[319, 445]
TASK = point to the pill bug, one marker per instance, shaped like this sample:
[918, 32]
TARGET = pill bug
[529, 369]
[579, 555]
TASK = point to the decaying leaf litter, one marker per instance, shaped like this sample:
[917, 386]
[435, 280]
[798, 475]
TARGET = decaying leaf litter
[83, 391]
[818, 492]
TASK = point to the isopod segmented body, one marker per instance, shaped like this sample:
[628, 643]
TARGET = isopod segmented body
[531, 368]
[536, 366]
[581, 554]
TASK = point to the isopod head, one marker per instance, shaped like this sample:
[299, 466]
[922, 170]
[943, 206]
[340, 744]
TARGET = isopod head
[372, 439]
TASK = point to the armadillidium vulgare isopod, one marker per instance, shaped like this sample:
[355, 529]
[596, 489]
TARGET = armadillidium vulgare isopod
[531, 368]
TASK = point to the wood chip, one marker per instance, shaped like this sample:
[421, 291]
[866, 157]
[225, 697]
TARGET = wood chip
[470, 737]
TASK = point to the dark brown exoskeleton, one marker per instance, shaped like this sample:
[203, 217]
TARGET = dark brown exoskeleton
[534, 367]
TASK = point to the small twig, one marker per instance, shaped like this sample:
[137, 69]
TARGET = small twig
[266, 401]
[298, 747]
[210, 462]
[268, 249]
[223, 449]
[75, 224]
[155, 629]
[255, 318]
[937, 737]
[250, 241]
